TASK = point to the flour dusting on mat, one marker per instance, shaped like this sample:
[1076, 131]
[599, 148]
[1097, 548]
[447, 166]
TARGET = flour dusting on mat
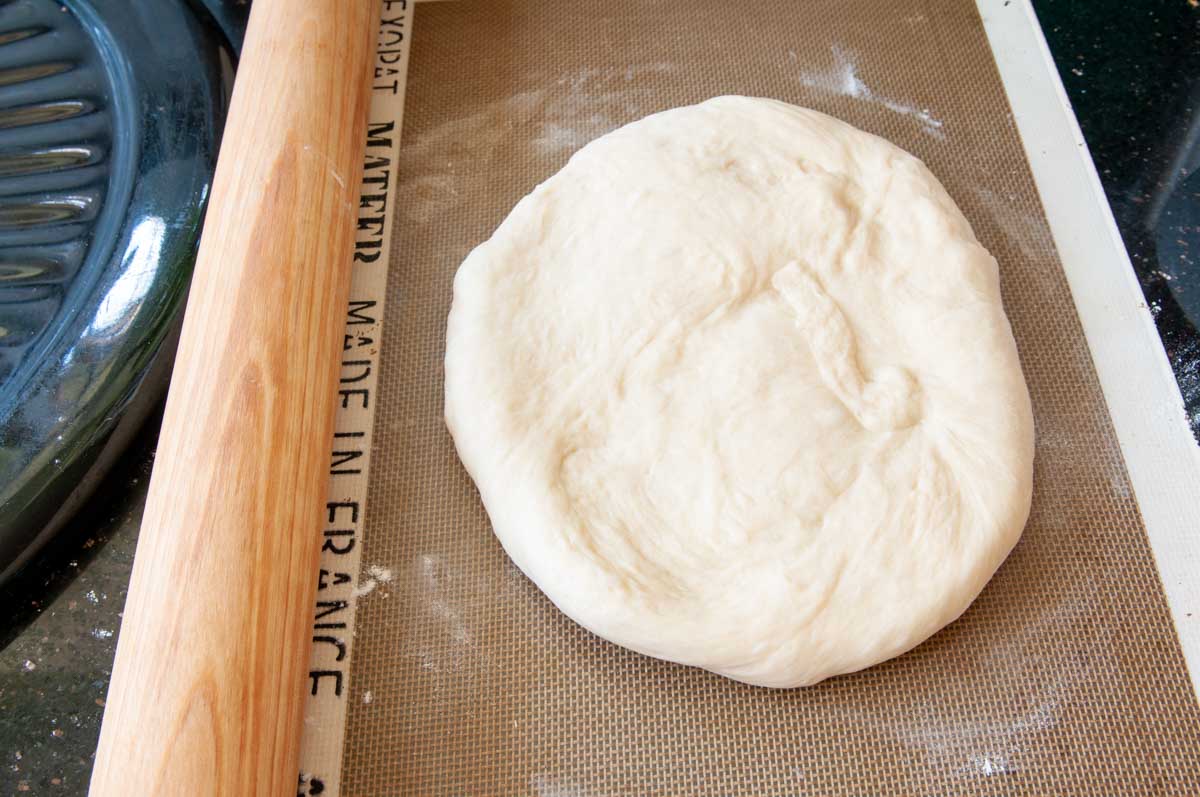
[374, 577]
[431, 567]
[843, 79]
[549, 786]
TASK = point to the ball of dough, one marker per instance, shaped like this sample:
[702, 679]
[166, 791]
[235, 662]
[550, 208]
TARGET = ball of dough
[738, 391]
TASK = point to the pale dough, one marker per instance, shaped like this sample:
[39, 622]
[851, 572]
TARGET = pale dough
[738, 391]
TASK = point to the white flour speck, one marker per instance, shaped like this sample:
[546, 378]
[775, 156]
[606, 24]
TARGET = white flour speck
[375, 575]
[438, 605]
[379, 573]
[546, 785]
[555, 136]
[989, 765]
[368, 697]
[843, 79]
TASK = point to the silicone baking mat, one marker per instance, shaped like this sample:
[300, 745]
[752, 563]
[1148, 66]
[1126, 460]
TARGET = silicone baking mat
[1064, 677]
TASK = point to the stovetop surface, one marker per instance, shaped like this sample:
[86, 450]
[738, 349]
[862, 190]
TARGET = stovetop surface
[1132, 71]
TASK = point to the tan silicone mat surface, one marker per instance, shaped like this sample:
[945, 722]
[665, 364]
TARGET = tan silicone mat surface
[1065, 676]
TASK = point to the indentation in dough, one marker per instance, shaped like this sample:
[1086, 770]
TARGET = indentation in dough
[887, 401]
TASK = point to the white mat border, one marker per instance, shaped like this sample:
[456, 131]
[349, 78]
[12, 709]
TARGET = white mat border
[1143, 397]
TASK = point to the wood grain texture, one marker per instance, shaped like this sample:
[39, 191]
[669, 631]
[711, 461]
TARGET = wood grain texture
[206, 693]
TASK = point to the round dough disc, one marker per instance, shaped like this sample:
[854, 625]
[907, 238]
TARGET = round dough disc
[738, 391]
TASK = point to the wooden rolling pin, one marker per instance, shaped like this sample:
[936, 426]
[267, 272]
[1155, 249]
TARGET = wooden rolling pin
[207, 689]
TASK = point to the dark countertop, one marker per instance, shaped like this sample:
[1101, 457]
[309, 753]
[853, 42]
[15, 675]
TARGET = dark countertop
[58, 636]
[1132, 70]
[1133, 76]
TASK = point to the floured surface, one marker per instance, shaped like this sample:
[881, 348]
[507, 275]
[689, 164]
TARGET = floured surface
[1064, 677]
[737, 390]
